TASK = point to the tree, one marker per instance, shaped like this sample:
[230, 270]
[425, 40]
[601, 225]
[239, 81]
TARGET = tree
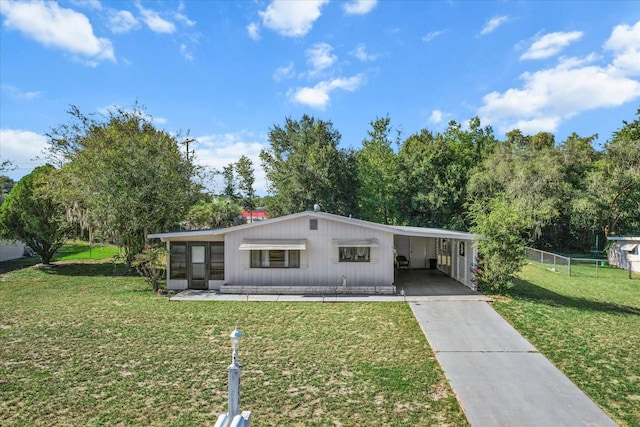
[130, 178]
[435, 170]
[305, 167]
[246, 178]
[33, 214]
[501, 249]
[578, 218]
[229, 179]
[377, 174]
[151, 264]
[6, 184]
[616, 182]
[515, 193]
[216, 213]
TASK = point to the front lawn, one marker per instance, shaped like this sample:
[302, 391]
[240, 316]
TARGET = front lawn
[82, 346]
[588, 326]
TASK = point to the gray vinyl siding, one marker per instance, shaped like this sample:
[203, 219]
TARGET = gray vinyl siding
[319, 265]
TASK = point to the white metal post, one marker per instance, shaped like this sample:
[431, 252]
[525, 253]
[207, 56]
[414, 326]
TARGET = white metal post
[234, 385]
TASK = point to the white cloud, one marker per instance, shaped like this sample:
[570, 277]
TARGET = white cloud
[21, 147]
[122, 21]
[359, 7]
[319, 57]
[318, 95]
[625, 43]
[493, 24]
[19, 94]
[361, 53]
[185, 52]
[292, 18]
[217, 151]
[253, 30]
[53, 26]
[432, 35]
[436, 116]
[550, 44]
[155, 22]
[88, 4]
[549, 96]
[283, 73]
[183, 18]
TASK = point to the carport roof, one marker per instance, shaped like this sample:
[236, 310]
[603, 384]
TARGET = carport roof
[432, 232]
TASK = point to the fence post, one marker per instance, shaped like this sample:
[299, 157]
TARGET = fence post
[569, 265]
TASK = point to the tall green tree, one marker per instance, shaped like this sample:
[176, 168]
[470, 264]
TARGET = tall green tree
[516, 192]
[304, 167]
[34, 214]
[229, 180]
[377, 167]
[501, 249]
[434, 172]
[246, 179]
[576, 225]
[616, 182]
[129, 177]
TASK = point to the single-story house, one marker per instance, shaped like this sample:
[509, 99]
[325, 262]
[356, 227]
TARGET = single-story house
[311, 252]
[625, 252]
[11, 250]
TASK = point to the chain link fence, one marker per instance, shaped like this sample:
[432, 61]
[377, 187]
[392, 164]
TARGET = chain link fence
[550, 260]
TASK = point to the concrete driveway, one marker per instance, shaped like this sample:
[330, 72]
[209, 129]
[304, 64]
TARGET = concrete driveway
[499, 378]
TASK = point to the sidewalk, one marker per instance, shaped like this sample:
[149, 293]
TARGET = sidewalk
[499, 378]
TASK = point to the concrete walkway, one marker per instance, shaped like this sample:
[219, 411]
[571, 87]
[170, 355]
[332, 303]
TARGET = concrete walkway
[500, 379]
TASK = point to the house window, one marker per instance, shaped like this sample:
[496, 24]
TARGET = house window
[275, 258]
[354, 254]
[178, 256]
[461, 249]
[313, 224]
[216, 263]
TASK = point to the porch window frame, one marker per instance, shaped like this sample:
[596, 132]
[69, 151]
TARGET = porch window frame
[178, 261]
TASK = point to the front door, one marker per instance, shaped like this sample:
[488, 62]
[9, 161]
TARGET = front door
[198, 272]
[418, 257]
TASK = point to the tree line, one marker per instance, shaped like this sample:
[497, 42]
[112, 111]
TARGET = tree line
[117, 178]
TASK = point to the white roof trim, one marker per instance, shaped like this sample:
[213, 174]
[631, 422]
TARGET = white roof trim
[356, 243]
[628, 247]
[273, 244]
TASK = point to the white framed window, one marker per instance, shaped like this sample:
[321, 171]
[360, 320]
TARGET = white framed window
[275, 258]
[354, 254]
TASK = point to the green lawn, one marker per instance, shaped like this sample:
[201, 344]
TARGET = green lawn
[82, 346]
[81, 250]
[87, 344]
[588, 326]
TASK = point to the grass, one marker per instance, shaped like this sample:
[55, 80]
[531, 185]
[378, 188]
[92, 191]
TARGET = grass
[78, 250]
[588, 326]
[83, 345]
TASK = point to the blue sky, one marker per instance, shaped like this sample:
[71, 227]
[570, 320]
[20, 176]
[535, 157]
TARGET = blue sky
[229, 71]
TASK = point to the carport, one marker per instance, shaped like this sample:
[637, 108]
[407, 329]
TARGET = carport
[432, 249]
